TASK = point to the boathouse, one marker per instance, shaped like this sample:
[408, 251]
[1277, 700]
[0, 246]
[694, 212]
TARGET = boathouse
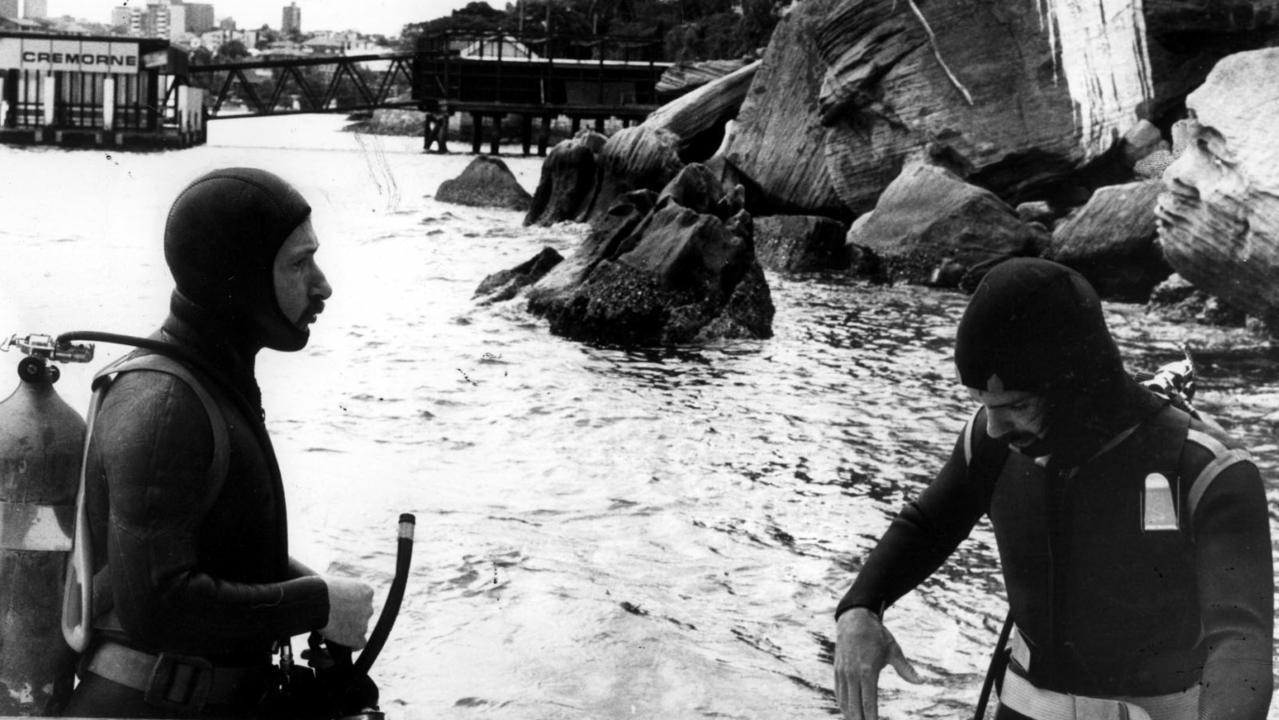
[96, 91]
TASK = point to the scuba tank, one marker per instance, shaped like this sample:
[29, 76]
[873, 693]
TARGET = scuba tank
[40, 451]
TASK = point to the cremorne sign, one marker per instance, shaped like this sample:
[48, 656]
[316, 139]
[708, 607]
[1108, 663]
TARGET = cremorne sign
[92, 56]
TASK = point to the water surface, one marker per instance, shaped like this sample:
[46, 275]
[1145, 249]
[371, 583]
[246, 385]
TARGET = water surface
[602, 533]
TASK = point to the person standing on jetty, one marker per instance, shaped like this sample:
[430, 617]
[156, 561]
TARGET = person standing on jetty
[1134, 539]
[184, 498]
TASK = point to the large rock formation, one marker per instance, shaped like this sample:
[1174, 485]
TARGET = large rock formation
[1014, 96]
[566, 187]
[655, 272]
[644, 157]
[778, 144]
[930, 227]
[1219, 219]
[486, 182]
[1185, 39]
[697, 119]
[1111, 241]
[683, 77]
[581, 179]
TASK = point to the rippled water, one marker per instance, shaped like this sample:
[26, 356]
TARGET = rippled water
[602, 533]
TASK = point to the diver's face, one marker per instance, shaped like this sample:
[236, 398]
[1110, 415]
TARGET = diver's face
[1013, 416]
[300, 285]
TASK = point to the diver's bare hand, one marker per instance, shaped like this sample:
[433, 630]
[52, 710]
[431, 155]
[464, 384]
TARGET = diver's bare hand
[863, 646]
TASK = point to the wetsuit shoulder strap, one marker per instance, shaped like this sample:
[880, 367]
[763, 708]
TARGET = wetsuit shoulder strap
[87, 595]
[1223, 456]
[985, 459]
[169, 366]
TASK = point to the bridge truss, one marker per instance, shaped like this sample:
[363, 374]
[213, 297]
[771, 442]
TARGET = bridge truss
[329, 84]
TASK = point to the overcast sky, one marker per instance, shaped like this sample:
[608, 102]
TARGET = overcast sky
[370, 16]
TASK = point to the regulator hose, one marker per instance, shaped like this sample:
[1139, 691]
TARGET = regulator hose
[160, 347]
[390, 611]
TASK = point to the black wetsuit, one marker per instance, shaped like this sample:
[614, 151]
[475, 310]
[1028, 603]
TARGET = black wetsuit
[1110, 603]
[1108, 607]
[213, 583]
[199, 566]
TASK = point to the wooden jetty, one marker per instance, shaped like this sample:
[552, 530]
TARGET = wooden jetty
[537, 79]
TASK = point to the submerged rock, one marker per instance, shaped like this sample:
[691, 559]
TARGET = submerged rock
[486, 182]
[1111, 241]
[506, 284]
[800, 243]
[655, 272]
[1177, 300]
[606, 239]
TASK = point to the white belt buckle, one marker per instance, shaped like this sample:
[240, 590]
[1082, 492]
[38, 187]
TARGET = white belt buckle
[1087, 708]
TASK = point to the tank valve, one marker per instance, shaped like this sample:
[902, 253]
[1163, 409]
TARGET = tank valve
[41, 350]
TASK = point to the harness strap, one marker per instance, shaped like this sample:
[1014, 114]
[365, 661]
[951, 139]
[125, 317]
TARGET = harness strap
[83, 589]
[175, 682]
[1223, 457]
[970, 431]
[1021, 695]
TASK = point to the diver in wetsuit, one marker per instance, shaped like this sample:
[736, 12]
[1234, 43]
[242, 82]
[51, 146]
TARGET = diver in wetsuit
[1134, 540]
[184, 496]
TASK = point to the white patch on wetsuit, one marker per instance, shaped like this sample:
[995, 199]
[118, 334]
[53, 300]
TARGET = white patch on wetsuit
[1158, 506]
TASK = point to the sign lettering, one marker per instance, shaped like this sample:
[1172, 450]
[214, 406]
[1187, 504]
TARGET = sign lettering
[89, 56]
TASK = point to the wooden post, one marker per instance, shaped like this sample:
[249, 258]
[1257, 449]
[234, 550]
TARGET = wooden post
[496, 137]
[436, 131]
[546, 136]
[9, 97]
[526, 132]
[153, 99]
[108, 104]
[50, 105]
[195, 100]
[477, 127]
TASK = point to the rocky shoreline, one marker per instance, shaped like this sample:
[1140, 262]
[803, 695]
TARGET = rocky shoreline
[937, 145]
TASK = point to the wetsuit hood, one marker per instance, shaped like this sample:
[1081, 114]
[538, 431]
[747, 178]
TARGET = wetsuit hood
[220, 241]
[1037, 326]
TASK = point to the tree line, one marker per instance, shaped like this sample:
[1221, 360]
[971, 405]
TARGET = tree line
[681, 30]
